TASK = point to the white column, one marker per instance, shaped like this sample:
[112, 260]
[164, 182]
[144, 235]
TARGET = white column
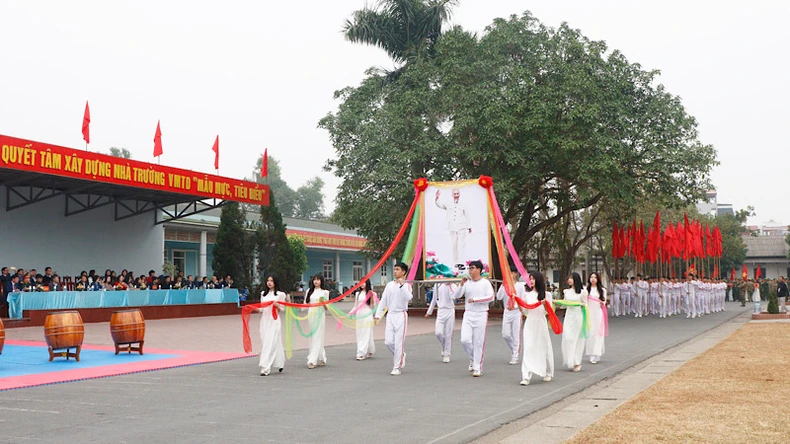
[202, 253]
[367, 270]
[337, 271]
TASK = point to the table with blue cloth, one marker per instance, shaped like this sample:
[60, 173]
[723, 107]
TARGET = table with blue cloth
[67, 300]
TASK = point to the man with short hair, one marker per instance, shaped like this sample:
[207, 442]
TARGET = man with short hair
[781, 294]
[478, 293]
[395, 299]
[47, 278]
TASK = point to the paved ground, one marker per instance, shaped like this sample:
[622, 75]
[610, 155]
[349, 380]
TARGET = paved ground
[347, 401]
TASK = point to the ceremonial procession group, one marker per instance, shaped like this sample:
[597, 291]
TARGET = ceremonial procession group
[667, 297]
[585, 323]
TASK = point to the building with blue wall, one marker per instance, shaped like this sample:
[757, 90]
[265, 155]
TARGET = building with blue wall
[331, 250]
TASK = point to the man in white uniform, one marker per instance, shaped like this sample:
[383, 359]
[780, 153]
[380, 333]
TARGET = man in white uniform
[642, 288]
[395, 299]
[511, 318]
[457, 223]
[478, 292]
[445, 316]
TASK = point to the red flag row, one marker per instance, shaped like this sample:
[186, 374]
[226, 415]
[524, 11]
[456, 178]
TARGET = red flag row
[158, 150]
[685, 241]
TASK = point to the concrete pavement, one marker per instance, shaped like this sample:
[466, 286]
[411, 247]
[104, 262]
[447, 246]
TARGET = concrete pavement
[346, 401]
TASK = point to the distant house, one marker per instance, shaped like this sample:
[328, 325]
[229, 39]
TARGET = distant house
[769, 253]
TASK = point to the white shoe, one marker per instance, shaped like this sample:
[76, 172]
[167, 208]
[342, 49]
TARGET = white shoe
[525, 382]
[547, 379]
[477, 374]
[359, 358]
[446, 359]
[395, 372]
[471, 368]
[513, 361]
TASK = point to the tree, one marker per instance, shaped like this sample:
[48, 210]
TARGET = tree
[405, 29]
[732, 228]
[120, 152]
[275, 254]
[234, 246]
[559, 122]
[307, 202]
[299, 251]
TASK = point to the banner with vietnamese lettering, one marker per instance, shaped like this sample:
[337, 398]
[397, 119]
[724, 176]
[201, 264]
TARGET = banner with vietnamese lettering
[43, 158]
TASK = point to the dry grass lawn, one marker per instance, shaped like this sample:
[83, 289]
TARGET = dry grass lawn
[738, 391]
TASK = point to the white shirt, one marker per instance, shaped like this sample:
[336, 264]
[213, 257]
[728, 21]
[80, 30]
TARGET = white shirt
[478, 294]
[443, 297]
[395, 298]
[501, 294]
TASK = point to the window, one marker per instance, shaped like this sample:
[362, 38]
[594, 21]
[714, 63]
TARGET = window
[328, 269]
[555, 275]
[357, 271]
[180, 260]
[383, 271]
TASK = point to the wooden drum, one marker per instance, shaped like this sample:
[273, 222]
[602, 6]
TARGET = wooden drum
[2, 336]
[127, 327]
[63, 331]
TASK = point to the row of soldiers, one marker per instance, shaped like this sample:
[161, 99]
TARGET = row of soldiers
[664, 297]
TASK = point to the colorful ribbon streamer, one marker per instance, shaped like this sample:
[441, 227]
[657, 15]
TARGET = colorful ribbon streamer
[248, 309]
[603, 330]
[585, 318]
[554, 321]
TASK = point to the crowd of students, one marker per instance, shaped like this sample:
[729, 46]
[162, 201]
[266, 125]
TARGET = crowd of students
[13, 279]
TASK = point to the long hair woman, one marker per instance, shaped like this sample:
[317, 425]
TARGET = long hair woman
[316, 354]
[363, 310]
[272, 352]
[596, 298]
[573, 327]
[538, 354]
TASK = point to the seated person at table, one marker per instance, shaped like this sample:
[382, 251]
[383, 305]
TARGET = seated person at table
[166, 283]
[82, 284]
[54, 284]
[15, 284]
[215, 282]
[189, 283]
[207, 284]
[27, 284]
[98, 285]
[151, 277]
[140, 284]
[179, 283]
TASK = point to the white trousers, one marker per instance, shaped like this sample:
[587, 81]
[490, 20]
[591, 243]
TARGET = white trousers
[458, 239]
[473, 337]
[511, 331]
[395, 336]
[615, 304]
[445, 321]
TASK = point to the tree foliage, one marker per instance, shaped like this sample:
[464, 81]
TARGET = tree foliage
[561, 123]
[306, 202]
[234, 247]
[120, 152]
[275, 254]
[405, 29]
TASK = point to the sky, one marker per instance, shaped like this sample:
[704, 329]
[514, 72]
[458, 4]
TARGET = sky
[261, 75]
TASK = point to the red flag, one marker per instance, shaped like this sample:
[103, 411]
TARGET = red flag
[732, 274]
[215, 148]
[158, 141]
[265, 163]
[624, 245]
[715, 271]
[641, 244]
[86, 122]
[709, 251]
[745, 273]
[757, 273]
[688, 244]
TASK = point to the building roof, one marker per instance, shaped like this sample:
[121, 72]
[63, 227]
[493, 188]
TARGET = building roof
[766, 247]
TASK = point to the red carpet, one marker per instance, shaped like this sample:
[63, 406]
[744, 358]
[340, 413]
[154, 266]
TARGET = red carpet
[25, 363]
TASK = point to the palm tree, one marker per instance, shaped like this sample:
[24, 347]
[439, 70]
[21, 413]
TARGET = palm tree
[405, 29]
